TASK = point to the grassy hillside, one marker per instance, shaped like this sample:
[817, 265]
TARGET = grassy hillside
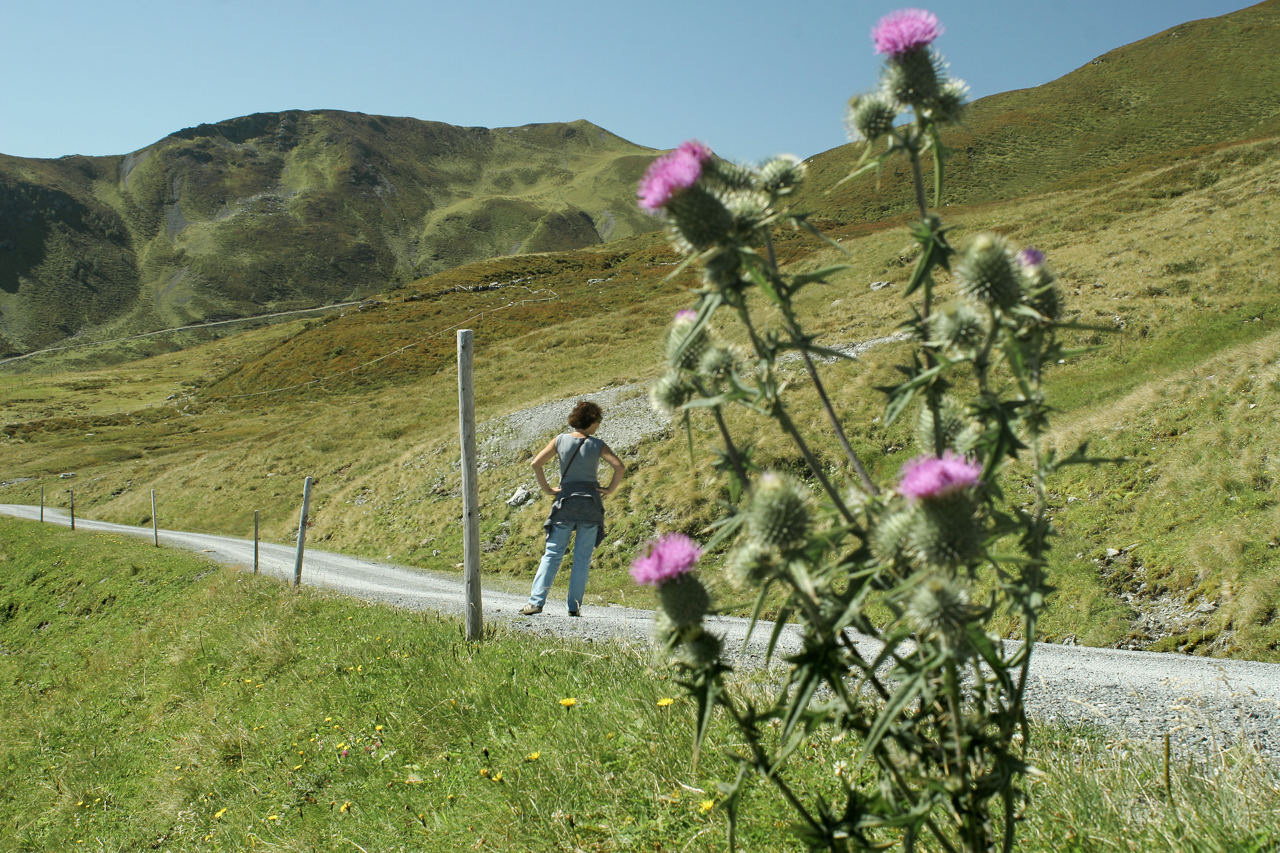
[366, 402]
[1135, 107]
[154, 700]
[279, 210]
[1174, 257]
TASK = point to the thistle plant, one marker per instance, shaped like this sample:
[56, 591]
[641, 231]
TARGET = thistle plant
[931, 700]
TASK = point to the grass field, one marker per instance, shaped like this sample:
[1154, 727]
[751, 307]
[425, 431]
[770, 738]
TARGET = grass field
[155, 700]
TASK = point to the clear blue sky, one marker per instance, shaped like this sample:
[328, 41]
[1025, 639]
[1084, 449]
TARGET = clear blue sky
[749, 78]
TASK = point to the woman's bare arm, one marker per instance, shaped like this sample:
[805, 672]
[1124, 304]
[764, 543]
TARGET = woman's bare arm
[539, 462]
[619, 469]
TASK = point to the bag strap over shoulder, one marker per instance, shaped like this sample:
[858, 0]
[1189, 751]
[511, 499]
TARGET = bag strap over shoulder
[572, 457]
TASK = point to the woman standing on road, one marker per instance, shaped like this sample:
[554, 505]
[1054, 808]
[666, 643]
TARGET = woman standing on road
[577, 505]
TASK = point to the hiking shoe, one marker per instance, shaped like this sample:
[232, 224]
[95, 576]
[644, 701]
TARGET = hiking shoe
[574, 613]
[530, 610]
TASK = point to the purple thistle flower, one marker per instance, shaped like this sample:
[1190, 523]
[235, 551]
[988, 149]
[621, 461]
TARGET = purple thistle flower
[1029, 257]
[927, 477]
[672, 172]
[905, 30]
[686, 315]
[667, 558]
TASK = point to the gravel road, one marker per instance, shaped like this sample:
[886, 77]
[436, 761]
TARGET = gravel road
[1203, 703]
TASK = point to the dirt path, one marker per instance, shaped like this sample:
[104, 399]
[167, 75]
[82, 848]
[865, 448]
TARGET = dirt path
[1203, 703]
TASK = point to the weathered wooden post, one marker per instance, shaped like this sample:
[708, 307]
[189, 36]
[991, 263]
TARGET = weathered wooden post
[42, 504]
[155, 528]
[72, 492]
[302, 531]
[470, 487]
[255, 541]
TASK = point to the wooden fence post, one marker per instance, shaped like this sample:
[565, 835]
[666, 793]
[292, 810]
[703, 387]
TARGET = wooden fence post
[72, 492]
[42, 504]
[255, 541]
[155, 528]
[470, 488]
[302, 531]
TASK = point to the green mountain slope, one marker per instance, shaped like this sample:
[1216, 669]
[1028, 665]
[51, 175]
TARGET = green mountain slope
[293, 209]
[1201, 83]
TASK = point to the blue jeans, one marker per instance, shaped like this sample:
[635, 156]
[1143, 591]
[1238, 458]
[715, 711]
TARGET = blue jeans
[557, 544]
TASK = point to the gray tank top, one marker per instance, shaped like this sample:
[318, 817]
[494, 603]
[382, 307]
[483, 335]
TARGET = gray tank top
[584, 465]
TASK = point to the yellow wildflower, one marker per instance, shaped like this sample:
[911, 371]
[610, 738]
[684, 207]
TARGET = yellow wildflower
[665, 701]
[345, 807]
[706, 806]
[569, 703]
[219, 813]
[533, 756]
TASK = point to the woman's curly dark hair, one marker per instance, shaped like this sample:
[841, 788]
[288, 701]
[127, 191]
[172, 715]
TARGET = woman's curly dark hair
[584, 414]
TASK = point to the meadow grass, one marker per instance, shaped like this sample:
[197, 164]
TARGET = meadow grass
[1168, 286]
[155, 700]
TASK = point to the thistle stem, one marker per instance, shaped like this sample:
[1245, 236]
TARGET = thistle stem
[854, 461]
[762, 763]
[779, 413]
[793, 329]
[730, 447]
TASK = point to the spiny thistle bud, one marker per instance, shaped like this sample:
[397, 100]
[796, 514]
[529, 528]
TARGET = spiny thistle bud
[778, 515]
[958, 431]
[870, 117]
[669, 393]
[732, 177]
[701, 651]
[668, 635]
[698, 219]
[945, 531]
[749, 211]
[987, 273]
[782, 175]
[723, 269]
[685, 349]
[959, 328]
[889, 538]
[717, 362]
[948, 106]
[939, 610]
[752, 563]
[1038, 290]
[684, 600]
[915, 78]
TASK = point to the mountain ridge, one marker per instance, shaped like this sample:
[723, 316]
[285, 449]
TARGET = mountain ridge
[292, 209]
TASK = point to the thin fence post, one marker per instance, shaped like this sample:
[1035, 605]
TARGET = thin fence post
[42, 504]
[155, 528]
[470, 488]
[72, 492]
[255, 541]
[302, 531]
